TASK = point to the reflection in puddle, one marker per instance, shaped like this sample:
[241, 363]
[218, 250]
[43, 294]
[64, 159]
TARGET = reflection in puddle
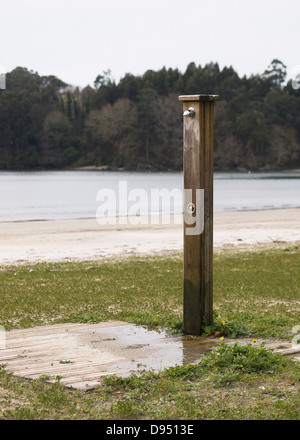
[136, 349]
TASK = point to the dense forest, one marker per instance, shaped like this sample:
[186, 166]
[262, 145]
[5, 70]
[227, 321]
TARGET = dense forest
[137, 122]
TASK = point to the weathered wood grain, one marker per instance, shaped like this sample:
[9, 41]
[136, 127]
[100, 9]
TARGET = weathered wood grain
[198, 248]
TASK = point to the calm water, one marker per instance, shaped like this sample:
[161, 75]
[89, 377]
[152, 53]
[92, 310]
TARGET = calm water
[42, 195]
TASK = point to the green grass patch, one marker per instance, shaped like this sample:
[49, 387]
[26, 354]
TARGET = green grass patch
[255, 294]
[230, 383]
[259, 291]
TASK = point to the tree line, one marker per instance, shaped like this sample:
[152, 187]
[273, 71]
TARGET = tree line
[137, 122]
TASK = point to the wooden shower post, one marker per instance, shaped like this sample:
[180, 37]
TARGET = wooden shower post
[198, 211]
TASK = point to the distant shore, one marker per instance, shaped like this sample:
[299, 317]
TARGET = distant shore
[85, 239]
[150, 169]
[242, 170]
[154, 170]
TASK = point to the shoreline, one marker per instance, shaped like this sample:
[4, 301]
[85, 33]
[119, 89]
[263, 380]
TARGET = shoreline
[132, 216]
[243, 170]
[35, 241]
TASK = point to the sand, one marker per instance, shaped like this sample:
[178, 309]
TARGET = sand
[85, 239]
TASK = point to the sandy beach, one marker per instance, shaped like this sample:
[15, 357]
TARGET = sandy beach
[85, 239]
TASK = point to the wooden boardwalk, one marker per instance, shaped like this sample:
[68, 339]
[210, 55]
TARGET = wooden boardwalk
[58, 350]
[81, 354]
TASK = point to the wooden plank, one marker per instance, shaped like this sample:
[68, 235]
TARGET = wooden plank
[36, 341]
[38, 351]
[76, 364]
[52, 329]
[67, 370]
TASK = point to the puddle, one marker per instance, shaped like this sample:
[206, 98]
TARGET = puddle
[81, 354]
[138, 350]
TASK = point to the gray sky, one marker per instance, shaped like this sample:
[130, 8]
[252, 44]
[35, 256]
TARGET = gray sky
[78, 39]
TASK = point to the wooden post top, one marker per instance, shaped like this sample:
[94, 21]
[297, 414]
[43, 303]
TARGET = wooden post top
[194, 98]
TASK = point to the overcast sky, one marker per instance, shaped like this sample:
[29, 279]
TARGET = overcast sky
[78, 39]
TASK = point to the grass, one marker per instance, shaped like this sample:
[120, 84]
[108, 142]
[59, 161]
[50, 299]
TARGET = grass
[255, 294]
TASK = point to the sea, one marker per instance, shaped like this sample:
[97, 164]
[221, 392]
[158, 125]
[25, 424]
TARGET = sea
[78, 194]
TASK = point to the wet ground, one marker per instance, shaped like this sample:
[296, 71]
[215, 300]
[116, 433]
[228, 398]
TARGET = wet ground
[142, 350]
[80, 355]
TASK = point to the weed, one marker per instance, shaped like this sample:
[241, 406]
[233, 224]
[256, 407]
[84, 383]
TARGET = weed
[226, 328]
[248, 359]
